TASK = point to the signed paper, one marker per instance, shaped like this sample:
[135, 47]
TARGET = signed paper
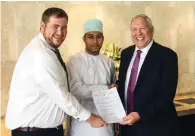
[109, 105]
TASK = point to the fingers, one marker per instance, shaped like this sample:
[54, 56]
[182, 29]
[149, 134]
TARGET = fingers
[105, 123]
[116, 85]
[112, 86]
[96, 121]
[128, 120]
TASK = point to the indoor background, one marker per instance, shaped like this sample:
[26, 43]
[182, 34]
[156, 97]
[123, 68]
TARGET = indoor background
[174, 24]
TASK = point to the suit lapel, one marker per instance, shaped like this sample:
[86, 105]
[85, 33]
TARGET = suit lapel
[147, 64]
[125, 64]
[129, 56]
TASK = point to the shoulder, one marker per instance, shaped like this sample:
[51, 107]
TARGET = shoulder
[41, 54]
[106, 59]
[76, 58]
[127, 51]
[163, 51]
[132, 47]
[33, 50]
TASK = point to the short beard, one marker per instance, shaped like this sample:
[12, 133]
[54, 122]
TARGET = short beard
[48, 40]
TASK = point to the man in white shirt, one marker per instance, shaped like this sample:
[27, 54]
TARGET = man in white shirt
[39, 97]
[90, 71]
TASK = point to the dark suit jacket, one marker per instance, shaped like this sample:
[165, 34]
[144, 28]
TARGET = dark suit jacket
[154, 92]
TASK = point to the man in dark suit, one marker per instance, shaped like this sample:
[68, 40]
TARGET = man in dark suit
[147, 84]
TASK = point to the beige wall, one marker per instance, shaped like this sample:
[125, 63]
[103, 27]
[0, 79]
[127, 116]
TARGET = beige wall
[174, 24]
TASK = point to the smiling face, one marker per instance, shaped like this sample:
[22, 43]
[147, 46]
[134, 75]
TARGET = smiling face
[54, 31]
[93, 42]
[141, 32]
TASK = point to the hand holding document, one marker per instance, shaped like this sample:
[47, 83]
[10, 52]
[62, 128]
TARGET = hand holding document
[109, 105]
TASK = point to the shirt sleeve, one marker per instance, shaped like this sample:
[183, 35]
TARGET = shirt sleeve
[77, 87]
[48, 78]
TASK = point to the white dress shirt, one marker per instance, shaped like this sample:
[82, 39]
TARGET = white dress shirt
[39, 94]
[89, 73]
[142, 58]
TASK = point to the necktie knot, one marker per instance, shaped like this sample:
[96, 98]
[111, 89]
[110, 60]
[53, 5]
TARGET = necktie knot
[56, 51]
[139, 52]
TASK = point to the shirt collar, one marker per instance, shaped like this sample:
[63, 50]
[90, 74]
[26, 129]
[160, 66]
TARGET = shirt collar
[40, 35]
[146, 49]
[91, 56]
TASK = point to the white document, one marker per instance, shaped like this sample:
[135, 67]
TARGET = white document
[109, 105]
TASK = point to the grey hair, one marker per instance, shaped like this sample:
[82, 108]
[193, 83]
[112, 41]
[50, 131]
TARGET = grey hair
[148, 20]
